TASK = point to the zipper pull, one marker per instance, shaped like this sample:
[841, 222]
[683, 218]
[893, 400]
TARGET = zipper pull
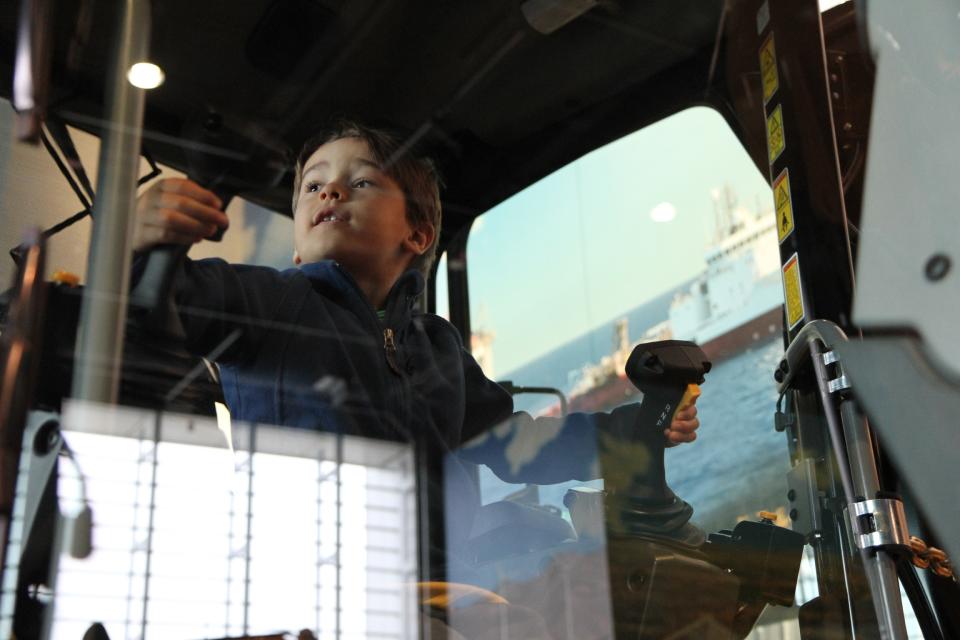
[390, 349]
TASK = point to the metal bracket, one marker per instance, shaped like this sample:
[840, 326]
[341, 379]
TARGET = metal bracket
[879, 523]
[838, 384]
[805, 509]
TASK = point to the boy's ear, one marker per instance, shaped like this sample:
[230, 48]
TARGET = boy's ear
[296, 257]
[420, 238]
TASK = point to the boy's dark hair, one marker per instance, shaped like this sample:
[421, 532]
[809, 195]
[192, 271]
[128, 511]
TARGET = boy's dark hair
[416, 175]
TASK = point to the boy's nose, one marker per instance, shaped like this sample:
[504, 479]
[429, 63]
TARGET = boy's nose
[331, 190]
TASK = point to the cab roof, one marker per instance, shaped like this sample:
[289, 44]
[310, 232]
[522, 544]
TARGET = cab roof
[498, 103]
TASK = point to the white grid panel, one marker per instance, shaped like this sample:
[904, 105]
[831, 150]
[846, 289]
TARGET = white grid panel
[238, 543]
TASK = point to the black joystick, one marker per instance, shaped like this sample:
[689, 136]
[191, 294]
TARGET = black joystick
[639, 502]
[668, 373]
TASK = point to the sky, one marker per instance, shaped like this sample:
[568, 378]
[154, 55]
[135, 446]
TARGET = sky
[579, 248]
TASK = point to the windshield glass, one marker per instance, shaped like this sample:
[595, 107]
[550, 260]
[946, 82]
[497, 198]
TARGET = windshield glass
[636, 253]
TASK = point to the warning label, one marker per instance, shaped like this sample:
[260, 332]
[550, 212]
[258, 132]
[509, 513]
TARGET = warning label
[768, 68]
[784, 205]
[792, 295]
[776, 142]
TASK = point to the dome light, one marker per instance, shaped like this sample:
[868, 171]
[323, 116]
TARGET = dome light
[145, 75]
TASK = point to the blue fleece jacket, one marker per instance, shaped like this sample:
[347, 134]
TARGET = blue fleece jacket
[312, 353]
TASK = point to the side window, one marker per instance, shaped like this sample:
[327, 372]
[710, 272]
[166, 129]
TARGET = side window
[668, 233]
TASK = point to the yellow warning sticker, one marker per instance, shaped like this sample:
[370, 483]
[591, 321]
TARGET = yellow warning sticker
[792, 295]
[768, 68]
[784, 205]
[776, 142]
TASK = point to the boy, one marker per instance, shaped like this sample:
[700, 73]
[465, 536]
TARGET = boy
[336, 344]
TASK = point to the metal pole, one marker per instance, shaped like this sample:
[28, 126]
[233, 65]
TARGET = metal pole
[851, 436]
[104, 309]
[879, 566]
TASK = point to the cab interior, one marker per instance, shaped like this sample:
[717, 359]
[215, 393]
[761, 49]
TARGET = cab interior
[507, 97]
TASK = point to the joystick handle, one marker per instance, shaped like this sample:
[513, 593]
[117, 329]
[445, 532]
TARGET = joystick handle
[639, 501]
[668, 373]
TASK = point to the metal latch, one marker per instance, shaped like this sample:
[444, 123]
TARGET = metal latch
[879, 523]
[837, 384]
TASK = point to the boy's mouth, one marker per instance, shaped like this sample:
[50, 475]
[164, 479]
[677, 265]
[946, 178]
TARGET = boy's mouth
[329, 215]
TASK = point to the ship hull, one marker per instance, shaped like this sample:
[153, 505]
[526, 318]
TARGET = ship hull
[753, 333]
[759, 330]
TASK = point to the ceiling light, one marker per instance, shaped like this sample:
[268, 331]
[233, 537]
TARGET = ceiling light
[145, 75]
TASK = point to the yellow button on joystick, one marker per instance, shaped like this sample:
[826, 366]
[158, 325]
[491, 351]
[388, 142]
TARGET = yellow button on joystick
[66, 278]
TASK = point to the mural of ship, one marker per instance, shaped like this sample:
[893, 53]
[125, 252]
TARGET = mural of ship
[737, 300]
[734, 304]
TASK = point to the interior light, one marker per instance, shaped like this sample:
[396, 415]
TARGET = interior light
[145, 75]
[663, 212]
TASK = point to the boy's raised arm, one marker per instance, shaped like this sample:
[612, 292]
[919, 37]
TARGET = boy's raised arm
[213, 298]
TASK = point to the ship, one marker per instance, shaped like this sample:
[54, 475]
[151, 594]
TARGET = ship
[734, 304]
[738, 299]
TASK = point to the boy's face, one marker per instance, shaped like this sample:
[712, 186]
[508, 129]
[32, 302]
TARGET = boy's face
[350, 211]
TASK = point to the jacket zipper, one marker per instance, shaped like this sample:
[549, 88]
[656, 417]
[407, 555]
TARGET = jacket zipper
[390, 350]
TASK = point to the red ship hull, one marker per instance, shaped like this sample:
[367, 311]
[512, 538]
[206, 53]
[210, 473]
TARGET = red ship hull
[615, 391]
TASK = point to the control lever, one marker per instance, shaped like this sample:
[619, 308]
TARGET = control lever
[668, 373]
[639, 501]
[226, 158]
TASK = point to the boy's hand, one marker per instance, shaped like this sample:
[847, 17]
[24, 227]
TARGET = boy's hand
[684, 426]
[176, 211]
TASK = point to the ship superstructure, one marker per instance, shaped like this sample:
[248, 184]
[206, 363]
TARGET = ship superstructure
[737, 298]
[735, 302]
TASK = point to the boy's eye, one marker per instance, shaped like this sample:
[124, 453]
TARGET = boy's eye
[360, 183]
[312, 187]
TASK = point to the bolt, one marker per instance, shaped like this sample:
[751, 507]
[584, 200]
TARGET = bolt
[791, 495]
[635, 581]
[794, 514]
[847, 126]
[938, 266]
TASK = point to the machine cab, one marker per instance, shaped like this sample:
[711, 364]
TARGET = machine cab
[645, 207]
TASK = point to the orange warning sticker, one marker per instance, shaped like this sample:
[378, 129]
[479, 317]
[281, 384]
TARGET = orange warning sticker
[776, 142]
[784, 205]
[792, 294]
[768, 68]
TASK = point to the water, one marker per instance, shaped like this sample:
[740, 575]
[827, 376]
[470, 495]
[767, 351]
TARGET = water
[738, 464]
